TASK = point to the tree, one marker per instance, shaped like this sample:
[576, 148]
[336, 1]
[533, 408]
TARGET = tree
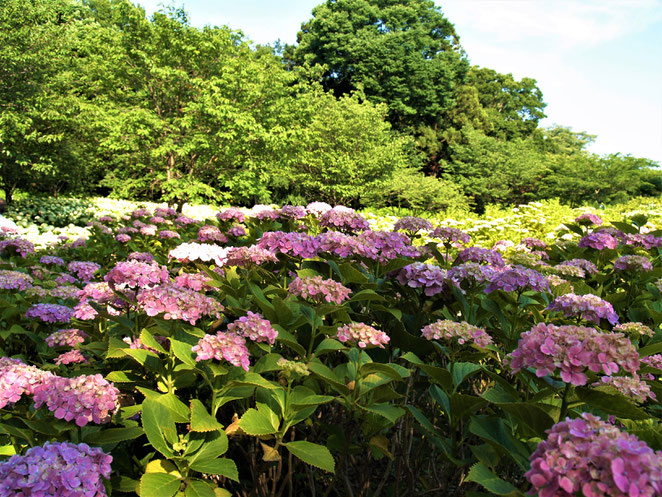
[405, 54]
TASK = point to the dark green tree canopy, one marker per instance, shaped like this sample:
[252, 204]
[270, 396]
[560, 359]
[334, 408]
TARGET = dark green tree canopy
[402, 53]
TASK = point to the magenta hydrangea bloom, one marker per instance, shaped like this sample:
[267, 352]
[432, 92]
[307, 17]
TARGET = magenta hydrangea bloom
[588, 218]
[223, 346]
[653, 360]
[100, 292]
[462, 333]
[451, 236]
[264, 213]
[586, 456]
[59, 469]
[384, 246]
[317, 289]
[599, 241]
[71, 357]
[639, 263]
[412, 224]
[85, 399]
[190, 252]
[197, 282]
[589, 306]
[646, 241]
[140, 256]
[177, 303]
[51, 259]
[50, 313]
[345, 220]
[336, 243]
[482, 255]
[210, 233]
[428, 276]
[15, 280]
[362, 335]
[237, 230]
[249, 256]
[254, 327]
[18, 245]
[293, 212]
[123, 238]
[84, 270]
[168, 234]
[517, 278]
[293, 243]
[135, 274]
[630, 386]
[571, 350]
[231, 214]
[66, 338]
[17, 378]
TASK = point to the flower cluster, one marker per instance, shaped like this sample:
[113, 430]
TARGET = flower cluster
[58, 469]
[599, 241]
[586, 456]
[51, 259]
[254, 327]
[293, 212]
[462, 332]
[639, 263]
[140, 256]
[630, 386]
[421, 275]
[363, 335]
[634, 330]
[336, 243]
[571, 349]
[237, 230]
[264, 213]
[317, 289]
[221, 346]
[231, 214]
[412, 224]
[15, 280]
[123, 238]
[84, 270]
[210, 233]
[517, 278]
[588, 218]
[533, 243]
[576, 267]
[85, 399]
[66, 338]
[653, 360]
[177, 303]
[483, 255]
[137, 343]
[249, 256]
[193, 281]
[450, 236]
[135, 274]
[168, 234]
[471, 272]
[189, 252]
[21, 246]
[384, 246]
[16, 379]
[589, 306]
[65, 292]
[343, 220]
[71, 357]
[50, 313]
[296, 244]
[646, 241]
[318, 208]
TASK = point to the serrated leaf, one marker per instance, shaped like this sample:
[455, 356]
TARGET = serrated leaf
[313, 454]
[382, 369]
[182, 351]
[328, 345]
[113, 435]
[159, 485]
[159, 426]
[612, 403]
[148, 339]
[391, 413]
[201, 420]
[482, 475]
[256, 423]
[198, 488]
[223, 467]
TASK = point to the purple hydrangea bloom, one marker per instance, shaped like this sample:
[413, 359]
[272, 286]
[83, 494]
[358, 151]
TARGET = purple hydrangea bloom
[134, 274]
[472, 272]
[589, 306]
[15, 280]
[646, 241]
[639, 263]
[483, 255]
[293, 212]
[451, 236]
[21, 246]
[293, 243]
[83, 269]
[122, 238]
[412, 224]
[428, 276]
[51, 259]
[599, 241]
[517, 278]
[50, 313]
[336, 243]
[140, 256]
[385, 246]
[344, 220]
[584, 265]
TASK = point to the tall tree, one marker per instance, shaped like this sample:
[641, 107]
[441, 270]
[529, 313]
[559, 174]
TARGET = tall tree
[403, 53]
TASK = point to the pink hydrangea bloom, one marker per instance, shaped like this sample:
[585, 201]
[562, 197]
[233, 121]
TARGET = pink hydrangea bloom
[630, 386]
[168, 234]
[177, 303]
[134, 274]
[231, 214]
[653, 360]
[571, 350]
[249, 256]
[293, 212]
[254, 327]
[428, 276]
[197, 281]
[17, 378]
[472, 272]
[84, 270]
[86, 398]
[317, 289]
[462, 332]
[633, 263]
[384, 246]
[237, 230]
[264, 213]
[450, 236]
[586, 456]
[517, 278]
[210, 233]
[223, 346]
[293, 243]
[71, 357]
[66, 338]
[634, 330]
[646, 241]
[122, 238]
[140, 256]
[363, 335]
[345, 220]
[599, 241]
[336, 243]
[588, 218]
[589, 306]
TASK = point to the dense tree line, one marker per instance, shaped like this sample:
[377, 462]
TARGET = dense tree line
[376, 104]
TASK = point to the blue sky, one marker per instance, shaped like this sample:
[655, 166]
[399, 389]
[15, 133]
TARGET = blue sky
[597, 62]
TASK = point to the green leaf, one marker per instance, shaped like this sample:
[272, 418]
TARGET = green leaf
[222, 466]
[461, 370]
[256, 423]
[214, 445]
[391, 413]
[182, 351]
[180, 411]
[159, 485]
[482, 475]
[148, 339]
[611, 403]
[159, 426]
[113, 435]
[366, 295]
[382, 369]
[328, 345]
[495, 430]
[201, 420]
[199, 488]
[290, 340]
[312, 400]
[313, 454]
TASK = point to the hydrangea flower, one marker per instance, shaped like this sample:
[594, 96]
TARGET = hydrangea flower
[588, 219]
[254, 327]
[249, 256]
[317, 289]
[571, 350]
[634, 330]
[17, 378]
[165, 212]
[590, 457]
[168, 234]
[517, 278]
[50, 313]
[189, 252]
[589, 306]
[532, 243]
[420, 275]
[639, 263]
[59, 469]
[210, 233]
[196, 281]
[462, 333]
[363, 335]
[412, 224]
[653, 360]
[585, 265]
[237, 230]
[264, 213]
[177, 303]
[66, 338]
[84, 399]
[135, 274]
[183, 220]
[646, 241]
[450, 236]
[343, 220]
[293, 212]
[599, 241]
[296, 244]
[223, 346]
[122, 238]
[384, 246]
[71, 357]
[51, 259]
[483, 255]
[84, 270]
[65, 292]
[336, 243]
[19, 245]
[318, 208]
[231, 214]
[503, 245]
[137, 343]
[140, 256]
[630, 386]
[471, 272]
[15, 280]
[64, 279]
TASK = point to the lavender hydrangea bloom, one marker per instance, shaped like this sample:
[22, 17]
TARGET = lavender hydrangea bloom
[588, 218]
[483, 255]
[296, 244]
[428, 276]
[646, 241]
[462, 333]
[15, 280]
[50, 313]
[59, 469]
[583, 265]
[293, 212]
[336, 243]
[21, 246]
[599, 241]
[472, 272]
[51, 259]
[223, 346]
[518, 278]
[317, 289]
[412, 224]
[343, 220]
[639, 263]
[450, 236]
[586, 456]
[83, 269]
[123, 238]
[589, 306]
[254, 327]
[384, 246]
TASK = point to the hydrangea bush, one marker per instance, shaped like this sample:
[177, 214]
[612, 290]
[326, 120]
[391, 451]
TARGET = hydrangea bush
[317, 351]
